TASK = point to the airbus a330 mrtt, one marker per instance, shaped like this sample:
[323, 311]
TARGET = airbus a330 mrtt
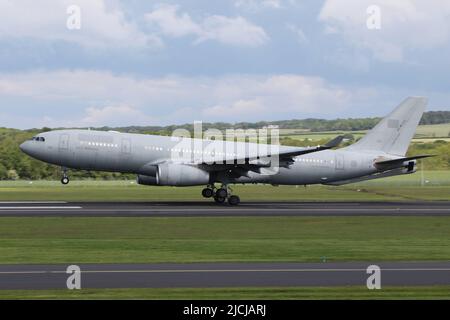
[380, 153]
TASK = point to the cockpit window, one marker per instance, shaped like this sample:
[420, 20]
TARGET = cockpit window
[41, 139]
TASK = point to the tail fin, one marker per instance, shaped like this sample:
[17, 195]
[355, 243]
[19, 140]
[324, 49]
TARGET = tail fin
[393, 134]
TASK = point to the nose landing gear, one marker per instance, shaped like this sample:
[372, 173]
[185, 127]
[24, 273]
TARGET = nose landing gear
[65, 179]
[221, 195]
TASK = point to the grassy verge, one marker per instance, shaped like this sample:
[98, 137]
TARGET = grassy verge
[436, 292]
[436, 186]
[226, 239]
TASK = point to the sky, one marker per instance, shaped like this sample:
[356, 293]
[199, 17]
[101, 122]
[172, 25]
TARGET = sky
[92, 63]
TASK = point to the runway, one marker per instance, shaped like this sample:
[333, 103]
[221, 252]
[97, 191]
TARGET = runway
[209, 275]
[210, 209]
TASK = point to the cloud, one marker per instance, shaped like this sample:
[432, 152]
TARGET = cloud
[95, 98]
[103, 24]
[253, 4]
[405, 25]
[114, 116]
[278, 95]
[264, 4]
[235, 31]
[237, 109]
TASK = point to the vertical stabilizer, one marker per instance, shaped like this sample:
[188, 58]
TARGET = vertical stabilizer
[393, 134]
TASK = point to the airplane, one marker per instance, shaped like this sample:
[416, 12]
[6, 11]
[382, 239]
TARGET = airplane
[178, 161]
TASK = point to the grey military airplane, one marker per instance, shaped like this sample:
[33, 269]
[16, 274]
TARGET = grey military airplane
[184, 161]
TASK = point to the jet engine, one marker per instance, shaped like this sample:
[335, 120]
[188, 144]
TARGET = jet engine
[147, 180]
[170, 174]
[410, 166]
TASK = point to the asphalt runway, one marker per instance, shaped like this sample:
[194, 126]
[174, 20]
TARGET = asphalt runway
[210, 275]
[210, 209]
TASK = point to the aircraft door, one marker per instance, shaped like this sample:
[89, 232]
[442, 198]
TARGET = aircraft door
[64, 142]
[64, 155]
[126, 146]
[339, 162]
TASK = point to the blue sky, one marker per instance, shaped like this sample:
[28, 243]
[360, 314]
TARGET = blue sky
[165, 62]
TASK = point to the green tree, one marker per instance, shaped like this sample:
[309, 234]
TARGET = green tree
[12, 175]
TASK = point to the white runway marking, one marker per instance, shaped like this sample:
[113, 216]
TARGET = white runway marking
[228, 270]
[265, 209]
[38, 208]
[32, 202]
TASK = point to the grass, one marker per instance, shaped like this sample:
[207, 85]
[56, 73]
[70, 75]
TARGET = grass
[223, 239]
[228, 239]
[434, 130]
[290, 293]
[436, 186]
[424, 133]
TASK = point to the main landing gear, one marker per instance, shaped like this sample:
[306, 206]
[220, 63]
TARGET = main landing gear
[65, 179]
[221, 194]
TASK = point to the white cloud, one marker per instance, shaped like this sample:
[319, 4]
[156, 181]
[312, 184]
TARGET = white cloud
[280, 96]
[276, 4]
[171, 23]
[102, 23]
[94, 98]
[263, 4]
[238, 108]
[405, 25]
[114, 116]
[226, 30]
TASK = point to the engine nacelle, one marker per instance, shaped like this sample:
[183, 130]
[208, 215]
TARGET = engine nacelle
[410, 166]
[169, 174]
[147, 180]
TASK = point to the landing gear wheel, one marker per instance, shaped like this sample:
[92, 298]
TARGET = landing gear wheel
[65, 180]
[207, 193]
[222, 193]
[219, 199]
[234, 200]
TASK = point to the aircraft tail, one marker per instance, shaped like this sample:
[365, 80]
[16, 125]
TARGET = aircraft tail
[393, 134]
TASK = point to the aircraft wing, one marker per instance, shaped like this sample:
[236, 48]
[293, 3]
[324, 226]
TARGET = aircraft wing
[241, 166]
[329, 145]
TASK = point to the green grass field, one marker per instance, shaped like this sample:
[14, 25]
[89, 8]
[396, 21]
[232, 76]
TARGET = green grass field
[356, 293]
[223, 239]
[424, 133]
[436, 186]
[70, 240]
[434, 130]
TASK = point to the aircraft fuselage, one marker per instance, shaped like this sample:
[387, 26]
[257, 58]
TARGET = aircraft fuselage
[140, 154]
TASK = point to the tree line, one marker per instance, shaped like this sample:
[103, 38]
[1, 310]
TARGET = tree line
[313, 125]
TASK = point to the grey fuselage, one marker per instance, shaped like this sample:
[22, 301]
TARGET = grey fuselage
[141, 154]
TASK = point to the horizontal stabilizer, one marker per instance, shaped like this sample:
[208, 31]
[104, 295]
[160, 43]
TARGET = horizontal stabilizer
[390, 173]
[395, 163]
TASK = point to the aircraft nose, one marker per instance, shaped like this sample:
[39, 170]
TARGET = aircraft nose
[25, 147]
